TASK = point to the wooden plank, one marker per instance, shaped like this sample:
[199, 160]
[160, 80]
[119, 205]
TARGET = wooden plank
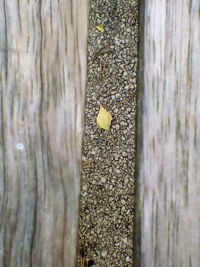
[168, 147]
[43, 74]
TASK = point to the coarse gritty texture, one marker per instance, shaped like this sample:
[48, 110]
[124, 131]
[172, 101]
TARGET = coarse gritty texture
[107, 195]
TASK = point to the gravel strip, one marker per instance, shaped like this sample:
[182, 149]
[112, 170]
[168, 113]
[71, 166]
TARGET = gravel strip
[107, 195]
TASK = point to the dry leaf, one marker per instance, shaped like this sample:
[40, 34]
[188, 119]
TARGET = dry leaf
[104, 118]
[100, 28]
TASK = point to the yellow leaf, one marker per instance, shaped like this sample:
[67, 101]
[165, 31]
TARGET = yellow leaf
[100, 28]
[104, 118]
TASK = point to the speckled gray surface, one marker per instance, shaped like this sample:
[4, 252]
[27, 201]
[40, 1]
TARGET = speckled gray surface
[107, 195]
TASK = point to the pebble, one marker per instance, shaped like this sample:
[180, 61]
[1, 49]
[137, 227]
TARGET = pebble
[123, 202]
[104, 253]
[125, 240]
[103, 179]
[117, 95]
[127, 259]
[124, 154]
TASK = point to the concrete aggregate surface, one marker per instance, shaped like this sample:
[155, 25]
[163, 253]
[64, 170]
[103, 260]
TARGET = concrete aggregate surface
[107, 189]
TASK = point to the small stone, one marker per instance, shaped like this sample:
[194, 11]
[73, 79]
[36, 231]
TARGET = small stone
[84, 194]
[103, 179]
[125, 240]
[123, 209]
[104, 253]
[117, 41]
[123, 123]
[117, 95]
[125, 180]
[123, 202]
[124, 154]
[84, 188]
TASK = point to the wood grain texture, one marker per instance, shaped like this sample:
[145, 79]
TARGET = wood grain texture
[168, 142]
[43, 49]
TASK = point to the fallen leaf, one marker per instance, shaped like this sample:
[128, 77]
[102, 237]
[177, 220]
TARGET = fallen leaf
[104, 118]
[100, 28]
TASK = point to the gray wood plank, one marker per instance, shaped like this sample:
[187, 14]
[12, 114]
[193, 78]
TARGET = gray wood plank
[168, 147]
[42, 81]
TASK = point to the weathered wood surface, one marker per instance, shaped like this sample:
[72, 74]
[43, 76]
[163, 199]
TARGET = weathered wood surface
[168, 148]
[43, 48]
